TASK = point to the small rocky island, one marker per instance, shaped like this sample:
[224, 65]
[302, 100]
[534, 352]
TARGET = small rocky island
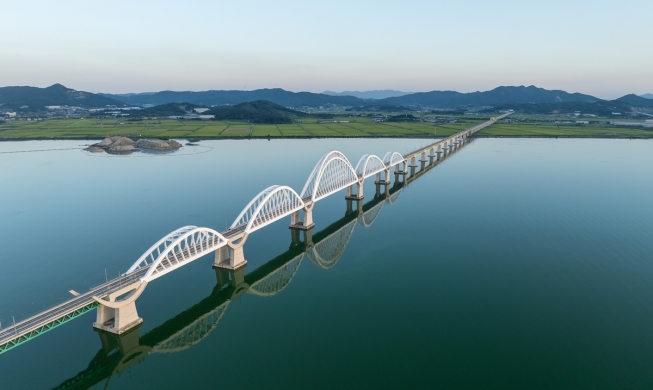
[124, 145]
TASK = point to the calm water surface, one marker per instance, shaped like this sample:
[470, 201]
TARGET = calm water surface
[512, 264]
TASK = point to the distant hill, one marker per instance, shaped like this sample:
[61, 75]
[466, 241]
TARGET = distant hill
[375, 94]
[636, 101]
[497, 96]
[600, 108]
[54, 95]
[209, 98]
[647, 95]
[259, 111]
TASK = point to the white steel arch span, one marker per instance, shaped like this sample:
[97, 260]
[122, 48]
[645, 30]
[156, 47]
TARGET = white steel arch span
[278, 280]
[270, 205]
[392, 158]
[176, 250]
[369, 165]
[332, 173]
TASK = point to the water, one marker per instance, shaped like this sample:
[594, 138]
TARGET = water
[512, 264]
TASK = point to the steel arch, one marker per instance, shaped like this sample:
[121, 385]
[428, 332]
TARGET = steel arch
[369, 165]
[392, 158]
[332, 173]
[185, 248]
[270, 205]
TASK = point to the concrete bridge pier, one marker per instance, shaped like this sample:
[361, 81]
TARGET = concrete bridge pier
[400, 172]
[423, 160]
[383, 181]
[296, 220]
[231, 256]
[359, 190]
[413, 162]
[117, 311]
[386, 190]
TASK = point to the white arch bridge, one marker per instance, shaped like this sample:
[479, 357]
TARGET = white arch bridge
[115, 299]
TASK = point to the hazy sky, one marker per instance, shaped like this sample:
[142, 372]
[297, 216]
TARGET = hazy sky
[604, 48]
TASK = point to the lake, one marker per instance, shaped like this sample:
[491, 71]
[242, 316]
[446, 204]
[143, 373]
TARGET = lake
[511, 264]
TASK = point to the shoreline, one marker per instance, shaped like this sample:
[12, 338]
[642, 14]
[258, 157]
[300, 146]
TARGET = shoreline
[193, 139]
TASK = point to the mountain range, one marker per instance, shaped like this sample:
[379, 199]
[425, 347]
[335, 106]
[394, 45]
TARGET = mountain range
[54, 95]
[375, 94]
[17, 98]
[647, 95]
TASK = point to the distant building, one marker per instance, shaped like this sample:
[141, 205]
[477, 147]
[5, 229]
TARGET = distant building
[10, 114]
[53, 107]
[200, 110]
[616, 113]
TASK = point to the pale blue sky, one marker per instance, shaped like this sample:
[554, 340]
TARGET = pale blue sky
[604, 48]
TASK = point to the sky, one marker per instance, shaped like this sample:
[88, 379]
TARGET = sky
[602, 48]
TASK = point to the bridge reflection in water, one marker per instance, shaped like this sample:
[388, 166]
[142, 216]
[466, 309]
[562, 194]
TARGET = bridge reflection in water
[324, 249]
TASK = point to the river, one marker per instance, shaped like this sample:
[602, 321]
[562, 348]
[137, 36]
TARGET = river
[512, 264]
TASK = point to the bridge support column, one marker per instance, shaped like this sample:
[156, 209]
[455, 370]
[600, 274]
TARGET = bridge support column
[359, 191]
[423, 160]
[307, 223]
[231, 256]
[118, 316]
[383, 181]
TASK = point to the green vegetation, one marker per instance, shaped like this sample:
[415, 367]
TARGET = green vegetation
[259, 111]
[344, 126]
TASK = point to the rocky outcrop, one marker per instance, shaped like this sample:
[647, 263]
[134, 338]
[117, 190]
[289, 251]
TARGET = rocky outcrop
[124, 145]
[157, 144]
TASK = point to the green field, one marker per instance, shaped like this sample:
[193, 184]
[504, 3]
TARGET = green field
[515, 126]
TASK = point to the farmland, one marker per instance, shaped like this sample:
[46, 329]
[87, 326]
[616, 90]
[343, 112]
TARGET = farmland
[356, 126]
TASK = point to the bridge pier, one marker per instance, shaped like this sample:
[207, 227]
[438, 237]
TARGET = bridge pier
[413, 162]
[119, 315]
[385, 181]
[400, 172]
[296, 221]
[231, 256]
[359, 191]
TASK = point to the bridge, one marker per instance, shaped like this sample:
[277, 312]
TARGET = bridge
[115, 300]
[194, 325]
